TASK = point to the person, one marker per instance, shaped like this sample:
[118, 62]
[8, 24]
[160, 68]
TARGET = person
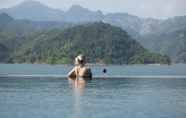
[104, 70]
[80, 72]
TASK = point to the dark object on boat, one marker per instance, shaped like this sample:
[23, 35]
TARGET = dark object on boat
[104, 70]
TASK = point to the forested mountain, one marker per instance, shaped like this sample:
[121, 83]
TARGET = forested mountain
[22, 41]
[101, 43]
[167, 37]
[169, 43]
[4, 53]
[144, 30]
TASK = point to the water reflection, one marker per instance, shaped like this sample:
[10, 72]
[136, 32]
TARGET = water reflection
[78, 87]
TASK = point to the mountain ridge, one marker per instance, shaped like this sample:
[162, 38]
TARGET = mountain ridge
[36, 11]
[33, 10]
[100, 42]
[141, 29]
[134, 25]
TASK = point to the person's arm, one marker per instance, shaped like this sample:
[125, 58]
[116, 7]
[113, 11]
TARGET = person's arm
[72, 74]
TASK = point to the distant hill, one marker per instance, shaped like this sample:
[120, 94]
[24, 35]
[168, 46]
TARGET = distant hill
[101, 43]
[44, 42]
[14, 32]
[4, 53]
[134, 25]
[167, 37]
[79, 14]
[152, 27]
[5, 18]
[169, 43]
[9, 24]
[33, 10]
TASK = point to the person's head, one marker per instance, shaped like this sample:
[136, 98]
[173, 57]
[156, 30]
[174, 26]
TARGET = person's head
[80, 60]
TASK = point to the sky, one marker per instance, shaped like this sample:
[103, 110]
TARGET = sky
[142, 8]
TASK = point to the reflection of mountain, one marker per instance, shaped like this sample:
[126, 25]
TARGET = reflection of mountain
[139, 28]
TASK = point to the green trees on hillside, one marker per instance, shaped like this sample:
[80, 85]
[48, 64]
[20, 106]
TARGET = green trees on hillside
[22, 42]
[100, 42]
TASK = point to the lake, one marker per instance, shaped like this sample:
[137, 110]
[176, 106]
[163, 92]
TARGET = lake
[41, 70]
[137, 91]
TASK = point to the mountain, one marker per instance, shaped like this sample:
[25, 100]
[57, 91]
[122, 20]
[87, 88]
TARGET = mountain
[130, 23]
[33, 41]
[149, 26]
[134, 25]
[35, 11]
[5, 18]
[4, 53]
[79, 14]
[14, 32]
[100, 42]
[157, 27]
[32, 10]
[172, 43]
[167, 37]
[9, 24]
[144, 30]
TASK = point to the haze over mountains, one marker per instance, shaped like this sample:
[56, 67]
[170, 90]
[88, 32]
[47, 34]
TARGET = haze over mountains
[149, 32]
[35, 11]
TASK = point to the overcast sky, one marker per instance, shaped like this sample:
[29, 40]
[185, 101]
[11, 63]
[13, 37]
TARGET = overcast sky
[142, 8]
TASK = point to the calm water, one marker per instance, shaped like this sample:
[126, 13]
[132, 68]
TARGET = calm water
[54, 97]
[101, 98]
[38, 70]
